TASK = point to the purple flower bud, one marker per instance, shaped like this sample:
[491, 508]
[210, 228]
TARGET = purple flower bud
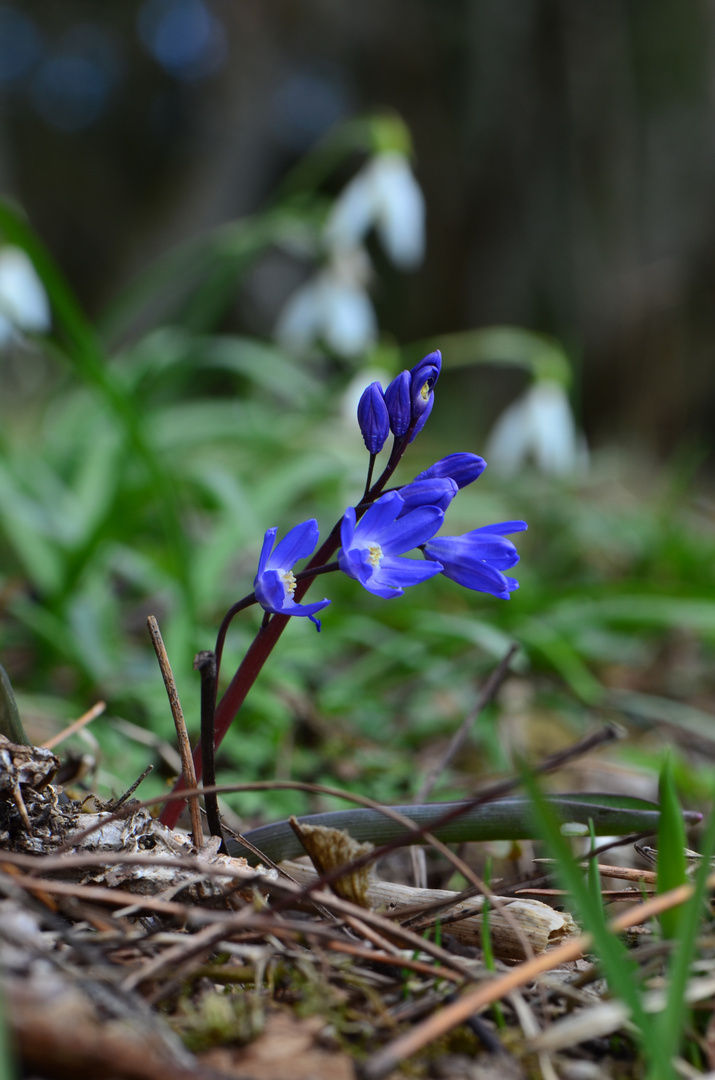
[462, 468]
[423, 377]
[373, 418]
[437, 491]
[399, 405]
[422, 420]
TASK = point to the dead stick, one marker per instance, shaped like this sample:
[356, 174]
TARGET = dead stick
[187, 764]
[205, 664]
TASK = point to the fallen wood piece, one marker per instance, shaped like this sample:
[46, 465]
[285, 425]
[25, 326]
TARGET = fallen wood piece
[537, 923]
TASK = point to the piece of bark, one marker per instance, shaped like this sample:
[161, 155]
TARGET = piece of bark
[527, 920]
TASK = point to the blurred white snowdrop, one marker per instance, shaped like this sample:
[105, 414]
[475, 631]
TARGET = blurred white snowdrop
[540, 426]
[333, 307]
[23, 300]
[385, 195]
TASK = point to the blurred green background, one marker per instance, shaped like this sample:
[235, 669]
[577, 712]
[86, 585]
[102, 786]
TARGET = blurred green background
[169, 167]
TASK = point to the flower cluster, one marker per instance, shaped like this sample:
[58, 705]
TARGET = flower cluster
[376, 538]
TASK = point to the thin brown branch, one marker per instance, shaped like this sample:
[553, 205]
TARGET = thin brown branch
[182, 735]
[76, 725]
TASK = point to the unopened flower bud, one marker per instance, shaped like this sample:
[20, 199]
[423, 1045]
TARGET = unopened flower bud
[462, 468]
[373, 418]
[423, 378]
[399, 404]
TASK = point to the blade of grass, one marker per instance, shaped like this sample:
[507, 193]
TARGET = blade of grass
[673, 1020]
[612, 953]
[671, 846]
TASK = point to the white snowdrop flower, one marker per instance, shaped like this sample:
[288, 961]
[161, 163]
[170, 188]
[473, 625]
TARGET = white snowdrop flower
[332, 306]
[383, 194]
[538, 425]
[23, 300]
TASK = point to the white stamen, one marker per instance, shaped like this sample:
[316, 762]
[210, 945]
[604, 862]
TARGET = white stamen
[289, 582]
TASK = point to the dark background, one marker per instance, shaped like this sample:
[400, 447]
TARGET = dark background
[566, 150]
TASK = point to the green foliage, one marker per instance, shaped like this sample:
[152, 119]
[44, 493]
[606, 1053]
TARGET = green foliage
[141, 481]
[671, 846]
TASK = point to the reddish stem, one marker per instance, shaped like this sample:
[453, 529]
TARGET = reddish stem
[267, 637]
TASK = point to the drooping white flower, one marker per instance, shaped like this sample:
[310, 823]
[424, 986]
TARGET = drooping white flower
[539, 425]
[23, 300]
[385, 195]
[333, 306]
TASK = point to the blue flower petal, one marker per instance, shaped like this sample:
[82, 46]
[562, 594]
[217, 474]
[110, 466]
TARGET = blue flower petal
[378, 517]
[505, 528]
[462, 468]
[402, 573]
[410, 531]
[436, 491]
[268, 540]
[297, 544]
[271, 591]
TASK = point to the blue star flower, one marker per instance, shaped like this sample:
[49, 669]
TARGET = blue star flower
[477, 558]
[275, 581]
[372, 548]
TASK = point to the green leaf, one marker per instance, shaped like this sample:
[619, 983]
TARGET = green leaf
[671, 846]
[10, 722]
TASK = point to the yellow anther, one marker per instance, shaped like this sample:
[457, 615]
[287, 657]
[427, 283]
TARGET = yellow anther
[425, 391]
[375, 555]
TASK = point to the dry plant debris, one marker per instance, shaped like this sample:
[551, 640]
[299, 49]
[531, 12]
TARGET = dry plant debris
[127, 953]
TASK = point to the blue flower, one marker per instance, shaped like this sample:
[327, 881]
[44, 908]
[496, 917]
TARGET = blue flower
[275, 581]
[462, 468]
[423, 377]
[476, 559]
[430, 492]
[399, 403]
[371, 549]
[373, 418]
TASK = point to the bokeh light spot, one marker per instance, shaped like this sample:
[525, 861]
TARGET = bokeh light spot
[184, 36]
